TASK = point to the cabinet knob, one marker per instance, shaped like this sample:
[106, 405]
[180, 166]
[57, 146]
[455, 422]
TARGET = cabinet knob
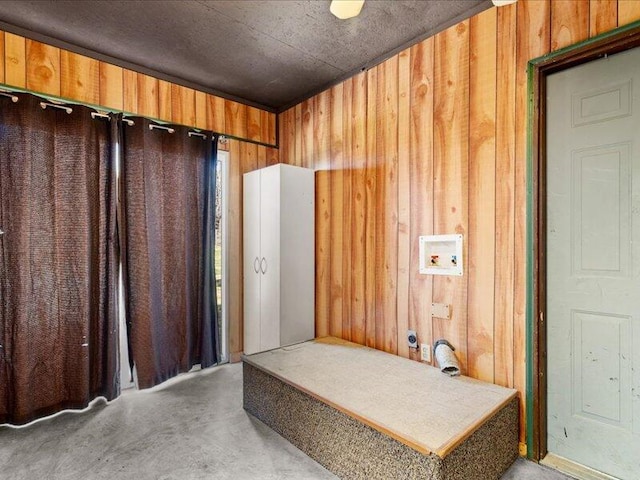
[263, 265]
[256, 265]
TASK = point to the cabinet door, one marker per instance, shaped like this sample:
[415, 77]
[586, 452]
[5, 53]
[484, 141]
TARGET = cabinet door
[251, 240]
[270, 257]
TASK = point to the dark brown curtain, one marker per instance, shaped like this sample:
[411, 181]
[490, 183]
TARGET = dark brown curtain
[164, 178]
[58, 309]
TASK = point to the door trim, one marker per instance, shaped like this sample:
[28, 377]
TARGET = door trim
[615, 41]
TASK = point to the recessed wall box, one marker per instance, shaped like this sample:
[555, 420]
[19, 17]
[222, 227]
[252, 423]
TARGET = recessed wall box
[441, 254]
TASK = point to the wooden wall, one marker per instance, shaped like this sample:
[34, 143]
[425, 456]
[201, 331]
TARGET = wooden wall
[433, 141]
[41, 68]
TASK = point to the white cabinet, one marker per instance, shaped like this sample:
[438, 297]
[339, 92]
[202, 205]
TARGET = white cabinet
[279, 257]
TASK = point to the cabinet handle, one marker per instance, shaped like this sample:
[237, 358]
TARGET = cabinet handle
[256, 265]
[263, 269]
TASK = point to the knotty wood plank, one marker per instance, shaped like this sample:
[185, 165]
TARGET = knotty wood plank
[271, 117]
[111, 86]
[347, 274]
[43, 68]
[262, 156]
[533, 29]
[569, 22]
[164, 101]
[234, 249]
[451, 140]
[603, 16]
[387, 207]
[628, 11]
[321, 116]
[215, 114]
[358, 126]
[147, 96]
[370, 206]
[265, 136]
[130, 91]
[80, 78]
[201, 110]
[505, 207]
[482, 178]
[306, 133]
[1, 57]
[404, 199]
[421, 178]
[337, 206]
[249, 153]
[297, 158]
[273, 156]
[183, 105]
[15, 60]
[254, 124]
[235, 118]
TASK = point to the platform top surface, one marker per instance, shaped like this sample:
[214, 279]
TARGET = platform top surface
[413, 402]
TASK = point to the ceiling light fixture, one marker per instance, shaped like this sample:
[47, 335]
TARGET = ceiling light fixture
[502, 3]
[344, 9]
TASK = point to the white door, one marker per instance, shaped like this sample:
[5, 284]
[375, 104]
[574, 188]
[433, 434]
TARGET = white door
[251, 270]
[593, 264]
[270, 257]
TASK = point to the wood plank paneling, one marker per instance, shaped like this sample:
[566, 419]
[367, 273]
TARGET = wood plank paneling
[130, 81]
[421, 177]
[111, 86]
[336, 220]
[482, 211]
[254, 124]
[358, 127]
[628, 11]
[164, 101]
[347, 273]
[183, 105]
[404, 199]
[1, 57]
[450, 186]
[262, 156]
[234, 250]
[80, 78]
[387, 207]
[297, 140]
[15, 60]
[306, 153]
[201, 110]
[569, 22]
[505, 185]
[371, 177]
[264, 126]
[147, 96]
[235, 118]
[272, 128]
[603, 16]
[273, 156]
[43, 68]
[216, 114]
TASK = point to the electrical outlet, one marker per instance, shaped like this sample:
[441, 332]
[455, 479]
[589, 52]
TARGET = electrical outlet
[425, 352]
[412, 339]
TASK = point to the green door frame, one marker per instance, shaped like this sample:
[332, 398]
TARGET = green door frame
[609, 43]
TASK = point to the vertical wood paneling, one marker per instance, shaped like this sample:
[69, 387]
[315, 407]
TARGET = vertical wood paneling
[80, 78]
[347, 274]
[43, 68]
[336, 220]
[235, 118]
[249, 156]
[183, 105]
[216, 114]
[603, 16]
[147, 96]
[164, 101]
[130, 80]
[404, 199]
[201, 110]
[323, 212]
[307, 134]
[1, 57]
[234, 250]
[111, 86]
[371, 173]
[273, 156]
[358, 127]
[387, 207]
[254, 123]
[533, 41]
[421, 171]
[451, 140]
[262, 156]
[15, 60]
[271, 118]
[482, 172]
[628, 11]
[264, 126]
[298, 138]
[505, 185]
[289, 141]
[569, 22]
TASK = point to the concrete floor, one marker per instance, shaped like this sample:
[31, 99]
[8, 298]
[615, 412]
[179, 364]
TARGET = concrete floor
[189, 428]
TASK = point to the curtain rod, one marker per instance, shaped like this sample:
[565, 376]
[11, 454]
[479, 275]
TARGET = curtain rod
[44, 105]
[5, 93]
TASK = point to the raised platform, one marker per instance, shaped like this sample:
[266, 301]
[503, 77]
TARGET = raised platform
[363, 413]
